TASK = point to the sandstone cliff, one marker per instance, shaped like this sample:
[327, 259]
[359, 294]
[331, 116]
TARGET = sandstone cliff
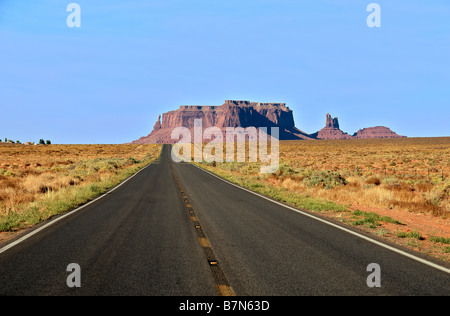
[245, 114]
[231, 114]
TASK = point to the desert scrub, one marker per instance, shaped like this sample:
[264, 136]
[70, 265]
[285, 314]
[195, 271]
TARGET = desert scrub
[326, 179]
[440, 192]
[391, 180]
[373, 180]
[285, 170]
[261, 183]
[412, 234]
[438, 239]
[371, 219]
[52, 188]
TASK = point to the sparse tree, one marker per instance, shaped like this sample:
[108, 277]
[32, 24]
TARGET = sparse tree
[42, 142]
[48, 142]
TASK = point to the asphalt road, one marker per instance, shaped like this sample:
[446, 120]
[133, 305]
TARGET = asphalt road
[174, 229]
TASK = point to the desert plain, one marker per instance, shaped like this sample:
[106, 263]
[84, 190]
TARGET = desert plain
[397, 190]
[38, 182]
[394, 189]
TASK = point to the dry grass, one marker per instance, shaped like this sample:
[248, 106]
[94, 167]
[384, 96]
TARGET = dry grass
[37, 182]
[408, 179]
[408, 174]
[411, 174]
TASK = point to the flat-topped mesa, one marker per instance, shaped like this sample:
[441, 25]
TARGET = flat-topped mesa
[376, 132]
[198, 107]
[236, 103]
[233, 113]
[241, 113]
[243, 103]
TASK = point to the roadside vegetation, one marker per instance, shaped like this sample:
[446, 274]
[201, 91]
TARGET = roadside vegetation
[369, 184]
[38, 182]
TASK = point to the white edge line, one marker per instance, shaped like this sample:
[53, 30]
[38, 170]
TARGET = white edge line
[37, 230]
[429, 263]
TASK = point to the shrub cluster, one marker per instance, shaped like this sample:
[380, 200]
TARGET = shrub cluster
[327, 179]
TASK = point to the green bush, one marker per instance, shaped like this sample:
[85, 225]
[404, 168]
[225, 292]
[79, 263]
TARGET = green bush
[372, 219]
[94, 188]
[442, 240]
[327, 179]
[285, 170]
[411, 234]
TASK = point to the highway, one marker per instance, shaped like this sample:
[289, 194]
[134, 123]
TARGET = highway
[176, 230]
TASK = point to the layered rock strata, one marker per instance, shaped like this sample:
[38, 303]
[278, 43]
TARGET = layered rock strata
[231, 114]
[250, 114]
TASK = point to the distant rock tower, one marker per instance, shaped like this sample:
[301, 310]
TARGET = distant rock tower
[331, 122]
[157, 125]
[332, 131]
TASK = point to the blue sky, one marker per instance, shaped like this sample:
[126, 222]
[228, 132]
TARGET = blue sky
[107, 81]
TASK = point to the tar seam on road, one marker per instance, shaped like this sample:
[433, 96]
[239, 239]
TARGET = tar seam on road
[222, 285]
[68, 213]
[379, 243]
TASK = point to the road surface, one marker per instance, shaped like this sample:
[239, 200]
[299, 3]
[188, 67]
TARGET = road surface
[176, 230]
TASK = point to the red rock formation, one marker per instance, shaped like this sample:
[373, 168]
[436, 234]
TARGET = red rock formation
[331, 122]
[376, 132]
[332, 131]
[246, 114]
[157, 125]
[231, 114]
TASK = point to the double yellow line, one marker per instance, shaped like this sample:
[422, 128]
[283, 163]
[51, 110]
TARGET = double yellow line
[222, 285]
